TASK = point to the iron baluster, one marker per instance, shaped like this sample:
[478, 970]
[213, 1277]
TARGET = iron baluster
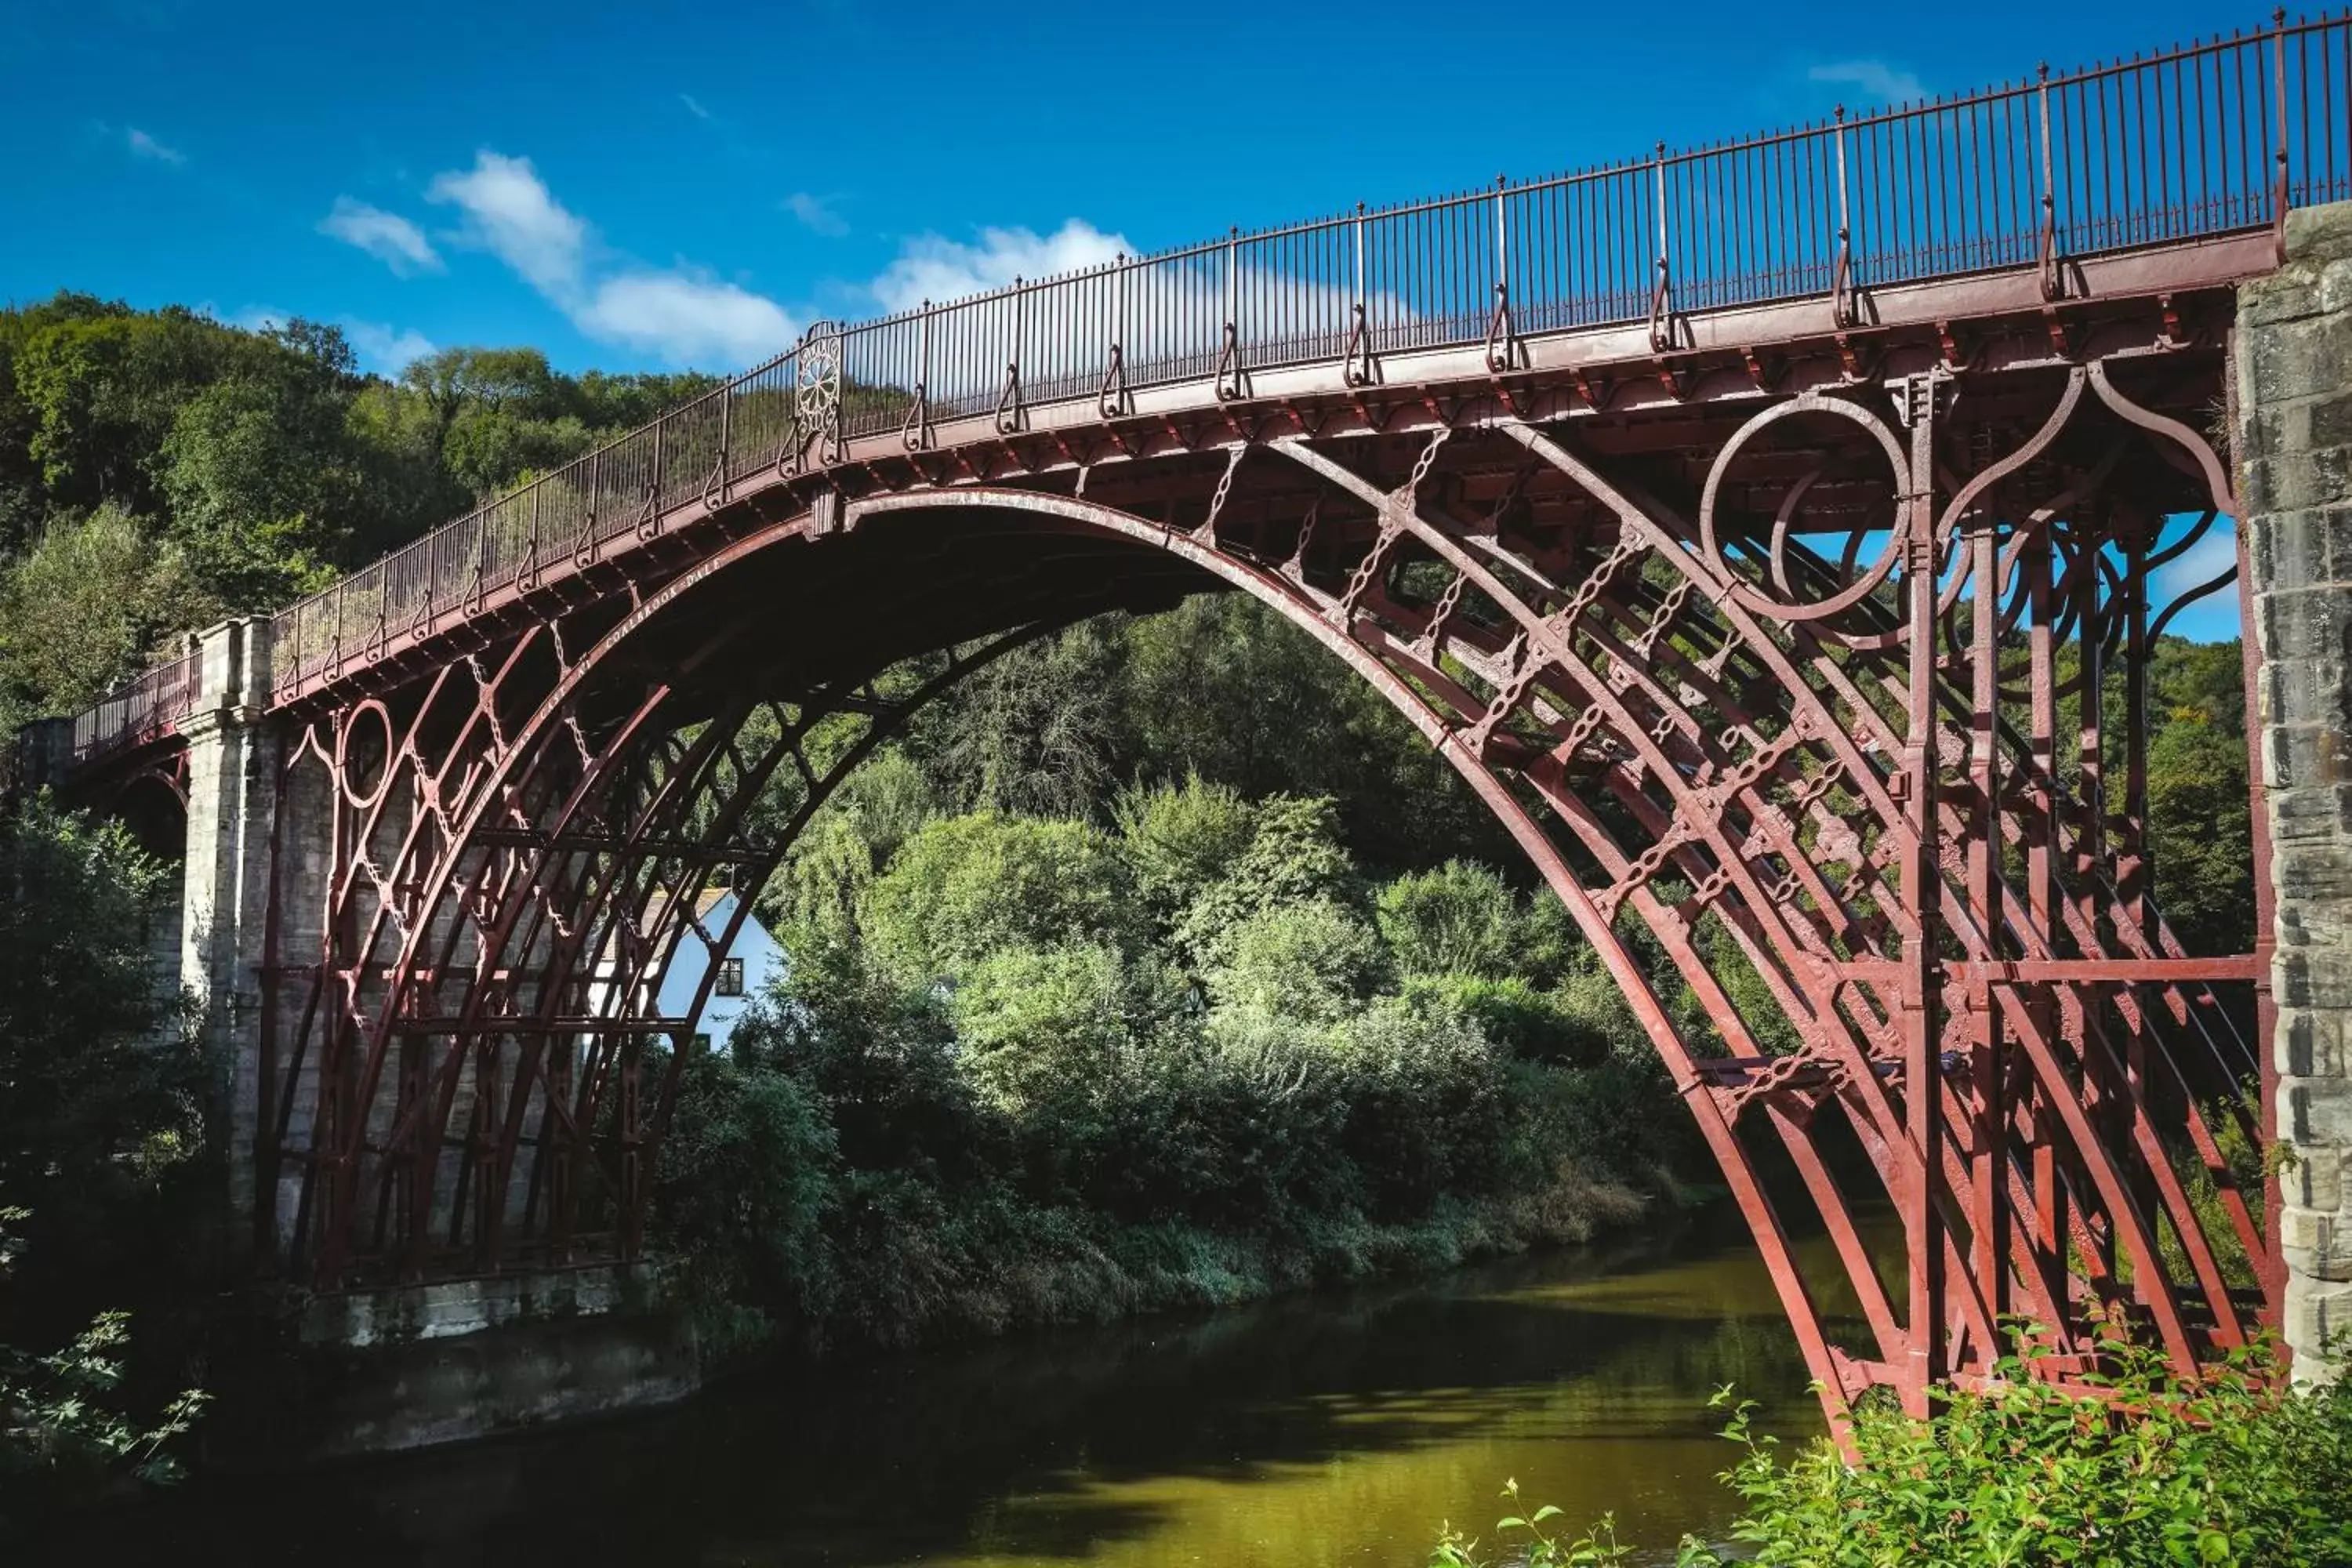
[1008, 401]
[914, 434]
[1842, 310]
[1228, 377]
[1499, 353]
[2053, 283]
[2279, 191]
[1356, 363]
[1661, 328]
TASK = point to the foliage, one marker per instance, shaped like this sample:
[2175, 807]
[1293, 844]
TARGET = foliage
[1531, 1544]
[64, 1432]
[1462, 919]
[2136, 1468]
[80, 609]
[1312, 959]
[98, 1084]
[2234, 1469]
[98, 1105]
[1030, 1061]
[260, 464]
[963, 886]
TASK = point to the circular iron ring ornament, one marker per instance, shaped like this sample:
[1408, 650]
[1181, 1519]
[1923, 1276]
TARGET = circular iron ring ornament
[1855, 591]
[373, 718]
[816, 378]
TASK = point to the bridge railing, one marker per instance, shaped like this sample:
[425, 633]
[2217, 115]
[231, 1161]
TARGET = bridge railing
[149, 705]
[2209, 140]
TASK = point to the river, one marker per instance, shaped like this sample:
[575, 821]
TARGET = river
[1326, 1429]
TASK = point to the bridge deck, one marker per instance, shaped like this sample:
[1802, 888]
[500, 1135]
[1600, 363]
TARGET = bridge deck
[1636, 287]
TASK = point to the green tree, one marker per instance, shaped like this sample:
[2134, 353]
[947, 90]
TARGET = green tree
[1463, 918]
[963, 887]
[2200, 832]
[99, 1087]
[1312, 960]
[80, 610]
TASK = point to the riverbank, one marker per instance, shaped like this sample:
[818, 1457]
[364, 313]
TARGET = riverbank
[1011, 1267]
[1323, 1426]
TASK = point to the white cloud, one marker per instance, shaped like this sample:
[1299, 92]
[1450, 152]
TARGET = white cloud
[692, 107]
[680, 313]
[686, 318]
[2207, 559]
[389, 237]
[816, 214]
[511, 213]
[142, 145]
[1876, 80]
[935, 269]
[384, 350]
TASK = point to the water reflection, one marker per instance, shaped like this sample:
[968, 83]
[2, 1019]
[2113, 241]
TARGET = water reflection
[1335, 1430]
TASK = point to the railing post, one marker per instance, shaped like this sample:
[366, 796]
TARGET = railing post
[2054, 282]
[725, 442]
[653, 484]
[1661, 322]
[1356, 364]
[2279, 181]
[1230, 356]
[1110, 397]
[1841, 311]
[1008, 401]
[1498, 324]
[916, 433]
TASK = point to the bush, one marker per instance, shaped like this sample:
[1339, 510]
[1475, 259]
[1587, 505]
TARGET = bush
[1426, 1106]
[1313, 961]
[2234, 1470]
[64, 1433]
[745, 1180]
[1462, 919]
[1293, 856]
[964, 886]
[1179, 842]
[100, 1080]
[1532, 1025]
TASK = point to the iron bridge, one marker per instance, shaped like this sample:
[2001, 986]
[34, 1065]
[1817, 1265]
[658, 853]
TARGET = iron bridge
[1762, 530]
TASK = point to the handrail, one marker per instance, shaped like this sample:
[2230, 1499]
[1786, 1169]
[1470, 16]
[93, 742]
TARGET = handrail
[2189, 144]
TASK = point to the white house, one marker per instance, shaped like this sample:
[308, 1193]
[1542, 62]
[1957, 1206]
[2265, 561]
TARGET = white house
[749, 965]
[745, 970]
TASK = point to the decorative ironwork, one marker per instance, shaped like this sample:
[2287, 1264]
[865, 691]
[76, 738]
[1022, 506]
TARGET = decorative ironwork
[1788, 684]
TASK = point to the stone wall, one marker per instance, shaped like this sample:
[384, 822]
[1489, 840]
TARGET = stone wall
[2292, 385]
[232, 787]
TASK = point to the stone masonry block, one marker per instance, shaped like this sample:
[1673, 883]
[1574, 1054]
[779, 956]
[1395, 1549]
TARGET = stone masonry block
[2318, 235]
[2293, 295]
[2310, 623]
[2307, 1237]
[2299, 685]
[2313, 1043]
[2315, 1313]
[2301, 359]
[2315, 1180]
[2302, 756]
[2293, 481]
[2315, 977]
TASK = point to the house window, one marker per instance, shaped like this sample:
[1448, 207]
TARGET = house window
[731, 977]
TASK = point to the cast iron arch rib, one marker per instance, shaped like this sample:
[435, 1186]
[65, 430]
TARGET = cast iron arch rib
[1841, 813]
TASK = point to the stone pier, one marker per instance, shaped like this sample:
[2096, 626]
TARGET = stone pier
[2292, 383]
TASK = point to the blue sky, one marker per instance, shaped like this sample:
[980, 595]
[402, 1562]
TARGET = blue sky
[657, 185]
